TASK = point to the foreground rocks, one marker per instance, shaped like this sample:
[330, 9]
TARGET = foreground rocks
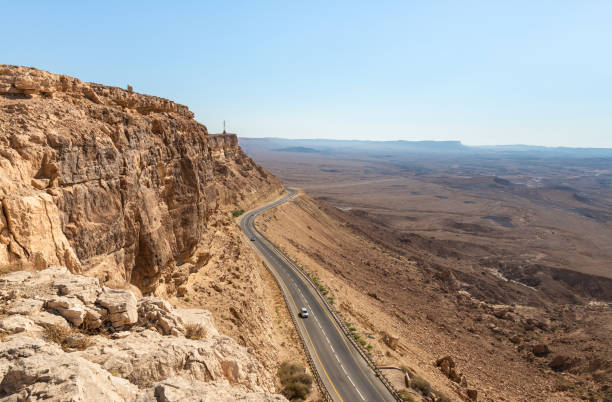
[134, 350]
[448, 368]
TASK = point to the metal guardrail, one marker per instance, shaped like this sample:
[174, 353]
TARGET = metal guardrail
[346, 331]
[340, 322]
[322, 388]
[325, 395]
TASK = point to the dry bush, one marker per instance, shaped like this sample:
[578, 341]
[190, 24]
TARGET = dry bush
[296, 383]
[421, 385]
[68, 338]
[194, 331]
[406, 396]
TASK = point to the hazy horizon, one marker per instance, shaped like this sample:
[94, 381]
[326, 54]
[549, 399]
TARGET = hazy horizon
[426, 140]
[487, 72]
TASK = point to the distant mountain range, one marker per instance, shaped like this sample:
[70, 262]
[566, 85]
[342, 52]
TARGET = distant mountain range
[395, 148]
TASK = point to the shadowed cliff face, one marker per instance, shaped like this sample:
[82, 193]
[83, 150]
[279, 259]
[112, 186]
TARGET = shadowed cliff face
[103, 180]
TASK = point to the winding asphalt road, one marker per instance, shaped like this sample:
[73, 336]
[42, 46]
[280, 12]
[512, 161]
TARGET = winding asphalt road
[345, 374]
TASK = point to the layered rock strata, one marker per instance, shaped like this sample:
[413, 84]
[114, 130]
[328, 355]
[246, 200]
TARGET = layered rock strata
[110, 182]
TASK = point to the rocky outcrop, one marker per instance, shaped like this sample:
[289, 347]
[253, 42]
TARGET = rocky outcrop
[34, 370]
[448, 368]
[178, 389]
[146, 354]
[109, 182]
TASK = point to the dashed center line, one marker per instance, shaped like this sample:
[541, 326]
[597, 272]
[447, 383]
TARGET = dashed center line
[293, 282]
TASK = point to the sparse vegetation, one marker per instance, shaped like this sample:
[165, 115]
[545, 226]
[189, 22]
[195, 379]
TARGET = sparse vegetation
[442, 397]
[67, 337]
[296, 383]
[406, 395]
[187, 299]
[236, 213]
[194, 331]
[420, 385]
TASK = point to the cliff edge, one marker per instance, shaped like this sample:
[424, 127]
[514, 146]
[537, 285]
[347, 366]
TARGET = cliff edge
[111, 183]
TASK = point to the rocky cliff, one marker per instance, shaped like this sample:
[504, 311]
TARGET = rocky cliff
[111, 183]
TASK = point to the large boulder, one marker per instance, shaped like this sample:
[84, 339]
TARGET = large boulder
[158, 314]
[84, 288]
[121, 306]
[390, 340]
[33, 370]
[71, 308]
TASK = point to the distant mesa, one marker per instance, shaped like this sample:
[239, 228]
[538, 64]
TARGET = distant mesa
[304, 150]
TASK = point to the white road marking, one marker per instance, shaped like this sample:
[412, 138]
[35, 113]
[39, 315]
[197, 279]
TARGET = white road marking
[356, 389]
[291, 264]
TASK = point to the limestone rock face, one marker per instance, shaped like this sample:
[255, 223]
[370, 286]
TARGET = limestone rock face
[111, 182]
[158, 314]
[34, 370]
[121, 306]
[178, 389]
[70, 308]
[146, 356]
[15, 324]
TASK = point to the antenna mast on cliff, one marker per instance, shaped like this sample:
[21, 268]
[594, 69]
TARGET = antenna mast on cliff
[224, 127]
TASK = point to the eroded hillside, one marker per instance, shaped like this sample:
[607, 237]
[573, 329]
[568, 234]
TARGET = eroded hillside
[413, 305]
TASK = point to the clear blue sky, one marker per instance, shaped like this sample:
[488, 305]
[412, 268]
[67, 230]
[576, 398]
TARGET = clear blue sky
[488, 72]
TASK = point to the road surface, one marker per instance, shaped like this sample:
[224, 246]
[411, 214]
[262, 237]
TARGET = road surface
[344, 372]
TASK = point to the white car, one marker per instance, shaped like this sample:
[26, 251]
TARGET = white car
[303, 312]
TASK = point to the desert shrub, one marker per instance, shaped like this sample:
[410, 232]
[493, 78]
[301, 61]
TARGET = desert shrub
[194, 331]
[442, 397]
[363, 342]
[406, 395]
[296, 383]
[237, 213]
[67, 337]
[420, 385]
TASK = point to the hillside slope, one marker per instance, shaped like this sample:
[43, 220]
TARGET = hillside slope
[414, 306]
